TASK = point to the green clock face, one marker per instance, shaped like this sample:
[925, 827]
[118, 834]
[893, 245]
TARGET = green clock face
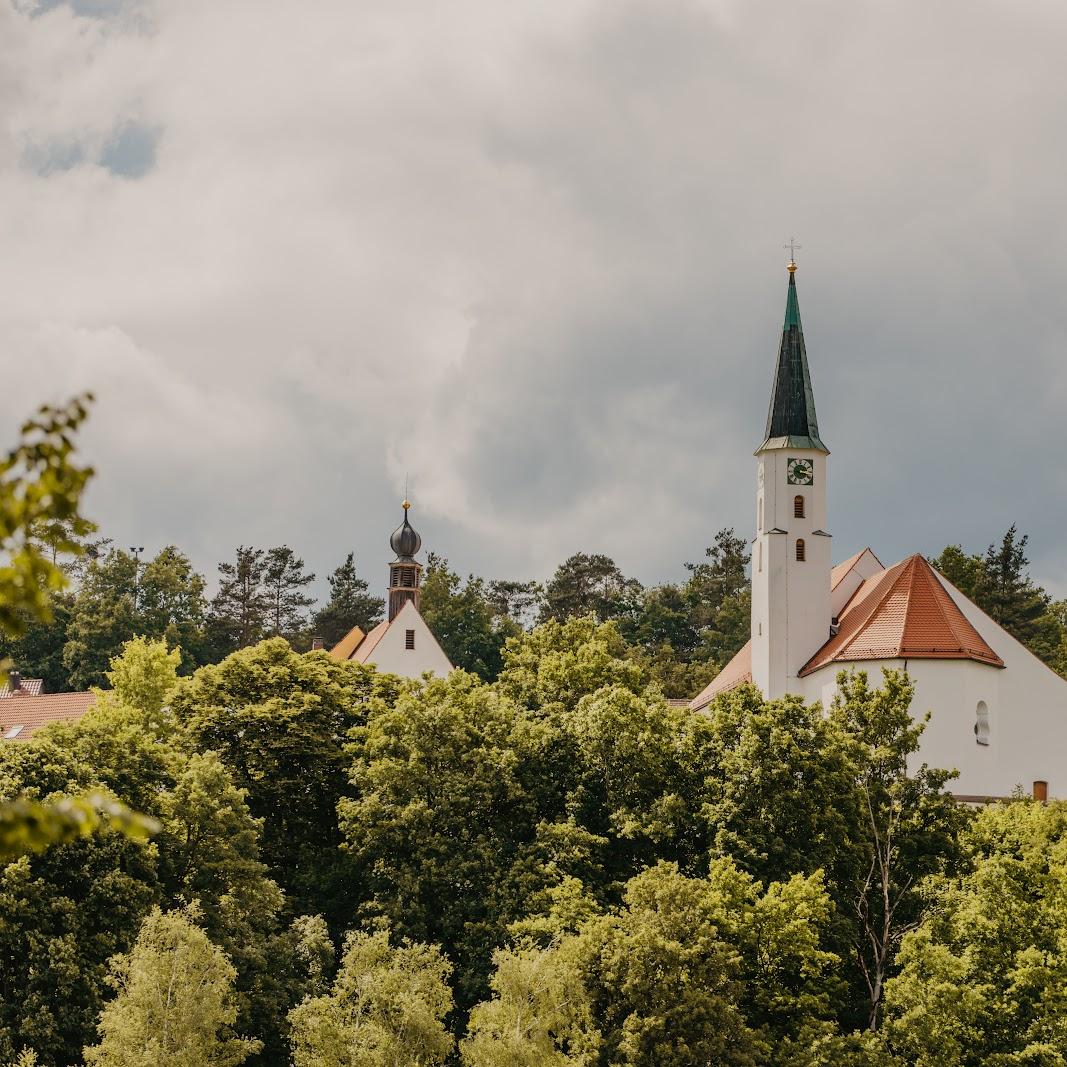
[800, 472]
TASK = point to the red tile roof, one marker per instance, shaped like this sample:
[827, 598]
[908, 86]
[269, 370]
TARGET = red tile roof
[30, 686]
[903, 613]
[735, 673]
[23, 715]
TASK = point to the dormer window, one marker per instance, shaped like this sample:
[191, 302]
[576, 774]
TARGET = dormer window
[798, 507]
[801, 550]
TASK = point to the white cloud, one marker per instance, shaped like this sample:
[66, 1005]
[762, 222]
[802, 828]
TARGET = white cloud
[528, 254]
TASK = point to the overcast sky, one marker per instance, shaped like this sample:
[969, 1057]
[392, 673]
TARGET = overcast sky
[529, 254]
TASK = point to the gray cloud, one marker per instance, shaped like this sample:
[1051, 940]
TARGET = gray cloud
[529, 255]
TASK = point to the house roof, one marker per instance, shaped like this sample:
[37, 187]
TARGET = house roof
[369, 643]
[27, 687]
[791, 421]
[348, 644]
[23, 715]
[735, 673]
[903, 613]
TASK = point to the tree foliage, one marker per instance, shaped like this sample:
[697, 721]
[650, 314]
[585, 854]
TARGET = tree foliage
[350, 604]
[174, 1005]
[387, 1007]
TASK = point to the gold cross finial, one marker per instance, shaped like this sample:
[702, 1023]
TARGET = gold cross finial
[793, 249]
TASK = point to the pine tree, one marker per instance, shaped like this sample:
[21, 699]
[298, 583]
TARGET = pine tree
[350, 605]
[240, 609]
[285, 582]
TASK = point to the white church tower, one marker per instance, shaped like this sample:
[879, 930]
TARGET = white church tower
[791, 554]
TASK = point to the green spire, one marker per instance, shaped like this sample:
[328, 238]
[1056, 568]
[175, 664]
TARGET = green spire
[791, 421]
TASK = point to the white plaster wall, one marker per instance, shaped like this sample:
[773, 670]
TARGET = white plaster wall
[1027, 718]
[391, 655]
[790, 598]
[867, 566]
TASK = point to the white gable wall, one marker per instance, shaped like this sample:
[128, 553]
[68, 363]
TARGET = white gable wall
[392, 655]
[1026, 702]
[867, 566]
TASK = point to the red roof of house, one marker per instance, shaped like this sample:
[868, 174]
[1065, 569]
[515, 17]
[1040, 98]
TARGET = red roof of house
[735, 673]
[903, 613]
[29, 686]
[23, 715]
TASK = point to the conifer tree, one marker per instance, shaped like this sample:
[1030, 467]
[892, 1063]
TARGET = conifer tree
[240, 609]
[285, 581]
[350, 605]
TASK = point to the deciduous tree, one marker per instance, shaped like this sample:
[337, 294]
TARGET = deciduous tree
[175, 1004]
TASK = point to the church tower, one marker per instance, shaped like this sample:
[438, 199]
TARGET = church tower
[405, 572]
[791, 552]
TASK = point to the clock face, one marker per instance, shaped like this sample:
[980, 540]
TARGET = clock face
[800, 472]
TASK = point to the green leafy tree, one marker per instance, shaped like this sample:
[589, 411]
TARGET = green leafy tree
[685, 971]
[118, 599]
[240, 610]
[437, 771]
[589, 585]
[983, 979]
[171, 604]
[175, 1005]
[280, 722]
[142, 678]
[38, 653]
[540, 1014]
[350, 604]
[40, 490]
[285, 583]
[461, 617]
[386, 1008]
[909, 822]
[782, 796]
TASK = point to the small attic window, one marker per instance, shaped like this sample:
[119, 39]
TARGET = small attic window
[409, 639]
[798, 507]
[801, 550]
[13, 732]
[981, 723]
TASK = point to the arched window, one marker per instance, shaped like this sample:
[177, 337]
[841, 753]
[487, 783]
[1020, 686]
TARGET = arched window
[981, 723]
[759, 556]
[800, 550]
[798, 507]
[759, 522]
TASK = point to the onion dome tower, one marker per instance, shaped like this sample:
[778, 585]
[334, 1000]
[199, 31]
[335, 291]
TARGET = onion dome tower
[405, 572]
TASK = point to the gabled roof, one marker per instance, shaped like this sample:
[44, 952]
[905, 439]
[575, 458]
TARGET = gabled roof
[23, 715]
[735, 673]
[791, 421]
[903, 613]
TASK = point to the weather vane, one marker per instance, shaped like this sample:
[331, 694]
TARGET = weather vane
[793, 249]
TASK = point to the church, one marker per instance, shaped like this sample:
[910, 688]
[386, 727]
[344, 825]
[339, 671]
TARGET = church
[402, 644]
[998, 713]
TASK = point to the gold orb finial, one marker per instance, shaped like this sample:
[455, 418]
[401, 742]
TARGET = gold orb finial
[406, 505]
[792, 266]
